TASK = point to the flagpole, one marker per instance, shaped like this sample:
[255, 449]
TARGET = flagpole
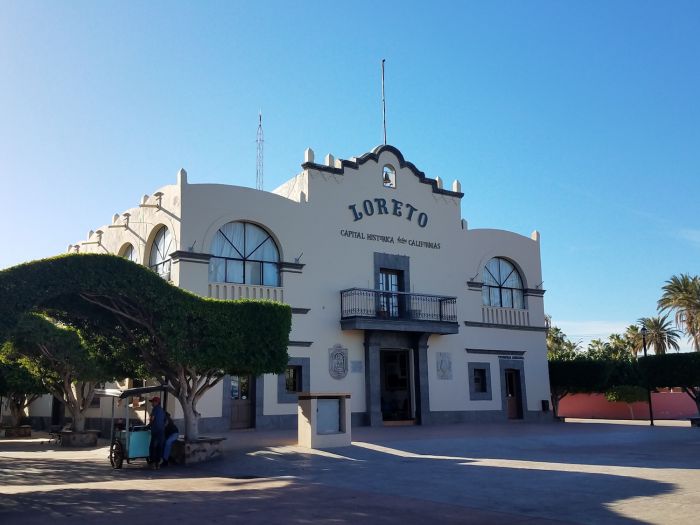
[383, 102]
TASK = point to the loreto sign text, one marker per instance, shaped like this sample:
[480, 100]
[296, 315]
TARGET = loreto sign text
[394, 207]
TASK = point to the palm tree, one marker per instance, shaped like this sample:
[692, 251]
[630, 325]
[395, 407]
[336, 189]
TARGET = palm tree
[559, 346]
[681, 295]
[660, 335]
[633, 338]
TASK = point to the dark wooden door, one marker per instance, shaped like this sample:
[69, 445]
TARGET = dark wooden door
[241, 402]
[514, 403]
[395, 385]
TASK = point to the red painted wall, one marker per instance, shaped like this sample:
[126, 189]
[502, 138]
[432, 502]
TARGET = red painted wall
[667, 405]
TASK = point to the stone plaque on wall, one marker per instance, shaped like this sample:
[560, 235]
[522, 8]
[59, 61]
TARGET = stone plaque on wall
[444, 365]
[338, 362]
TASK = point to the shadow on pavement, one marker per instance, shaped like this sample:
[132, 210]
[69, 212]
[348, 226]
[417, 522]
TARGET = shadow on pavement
[445, 476]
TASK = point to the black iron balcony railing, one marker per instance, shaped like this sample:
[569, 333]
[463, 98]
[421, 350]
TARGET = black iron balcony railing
[377, 304]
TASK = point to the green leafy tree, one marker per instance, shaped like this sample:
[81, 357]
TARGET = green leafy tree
[69, 363]
[18, 386]
[681, 295]
[673, 370]
[189, 341]
[579, 375]
[661, 336]
[616, 348]
[627, 394]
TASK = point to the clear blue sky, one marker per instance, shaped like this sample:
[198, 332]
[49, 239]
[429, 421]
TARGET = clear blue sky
[580, 120]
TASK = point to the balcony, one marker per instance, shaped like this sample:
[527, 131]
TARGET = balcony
[363, 309]
[246, 291]
[505, 316]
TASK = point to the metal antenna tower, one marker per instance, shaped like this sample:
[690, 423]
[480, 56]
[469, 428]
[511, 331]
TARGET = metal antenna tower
[259, 167]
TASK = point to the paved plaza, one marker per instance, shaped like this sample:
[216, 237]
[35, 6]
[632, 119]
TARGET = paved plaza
[574, 472]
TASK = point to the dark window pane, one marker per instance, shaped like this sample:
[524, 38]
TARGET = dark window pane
[253, 272]
[270, 274]
[480, 380]
[518, 300]
[217, 270]
[293, 379]
[234, 271]
[235, 387]
[486, 295]
[495, 297]
[240, 387]
[507, 298]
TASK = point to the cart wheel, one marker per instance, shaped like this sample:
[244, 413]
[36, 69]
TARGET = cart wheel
[116, 454]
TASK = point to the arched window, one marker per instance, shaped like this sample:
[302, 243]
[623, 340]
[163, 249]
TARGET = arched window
[244, 253]
[502, 285]
[129, 253]
[159, 260]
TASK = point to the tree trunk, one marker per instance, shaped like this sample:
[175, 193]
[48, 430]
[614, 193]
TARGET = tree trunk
[694, 394]
[191, 419]
[77, 397]
[78, 420]
[556, 398]
[16, 411]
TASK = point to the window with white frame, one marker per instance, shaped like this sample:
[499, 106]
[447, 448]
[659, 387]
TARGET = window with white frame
[244, 253]
[502, 285]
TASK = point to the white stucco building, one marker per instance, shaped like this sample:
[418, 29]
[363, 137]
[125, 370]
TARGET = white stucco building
[394, 299]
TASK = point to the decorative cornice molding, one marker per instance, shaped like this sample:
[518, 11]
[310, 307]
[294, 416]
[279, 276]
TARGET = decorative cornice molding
[291, 267]
[477, 324]
[536, 292]
[374, 155]
[483, 351]
[198, 257]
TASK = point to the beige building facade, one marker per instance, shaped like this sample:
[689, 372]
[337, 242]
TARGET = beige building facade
[394, 299]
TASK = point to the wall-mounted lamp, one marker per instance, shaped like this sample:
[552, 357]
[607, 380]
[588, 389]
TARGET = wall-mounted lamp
[159, 198]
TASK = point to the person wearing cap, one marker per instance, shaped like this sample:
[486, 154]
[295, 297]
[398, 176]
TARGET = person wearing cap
[156, 425]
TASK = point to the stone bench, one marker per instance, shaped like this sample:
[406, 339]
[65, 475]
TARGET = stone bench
[197, 451]
[87, 438]
[17, 432]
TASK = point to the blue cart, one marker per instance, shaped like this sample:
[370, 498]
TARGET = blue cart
[129, 441]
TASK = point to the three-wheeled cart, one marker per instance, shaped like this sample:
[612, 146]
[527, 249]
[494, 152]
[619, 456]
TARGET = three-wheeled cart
[129, 441]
